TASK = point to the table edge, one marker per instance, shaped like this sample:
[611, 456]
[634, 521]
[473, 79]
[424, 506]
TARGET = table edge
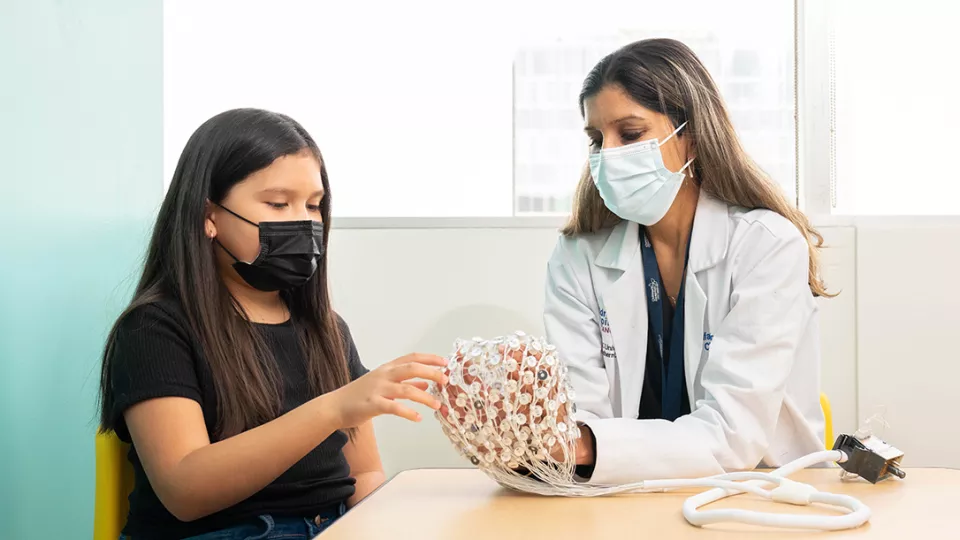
[418, 469]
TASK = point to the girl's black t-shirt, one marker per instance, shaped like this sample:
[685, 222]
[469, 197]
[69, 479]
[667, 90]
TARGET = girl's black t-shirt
[156, 355]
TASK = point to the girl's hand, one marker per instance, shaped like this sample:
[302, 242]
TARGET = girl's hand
[376, 392]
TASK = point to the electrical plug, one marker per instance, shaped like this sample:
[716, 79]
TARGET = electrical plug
[870, 458]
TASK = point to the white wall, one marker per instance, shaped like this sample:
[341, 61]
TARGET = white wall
[404, 290]
[838, 320]
[908, 321]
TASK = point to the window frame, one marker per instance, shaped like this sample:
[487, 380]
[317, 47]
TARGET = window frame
[816, 170]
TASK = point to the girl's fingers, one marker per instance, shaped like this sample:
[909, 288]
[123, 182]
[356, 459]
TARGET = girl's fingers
[411, 393]
[396, 409]
[418, 358]
[417, 371]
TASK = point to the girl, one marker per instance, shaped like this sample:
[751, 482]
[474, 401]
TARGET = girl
[239, 388]
[682, 291]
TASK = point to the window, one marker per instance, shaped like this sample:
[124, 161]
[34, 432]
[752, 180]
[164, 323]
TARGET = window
[753, 68]
[896, 107]
[426, 108]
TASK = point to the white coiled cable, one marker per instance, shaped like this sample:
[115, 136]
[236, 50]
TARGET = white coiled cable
[734, 483]
[787, 491]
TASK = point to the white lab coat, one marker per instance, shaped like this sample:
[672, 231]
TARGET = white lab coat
[751, 347]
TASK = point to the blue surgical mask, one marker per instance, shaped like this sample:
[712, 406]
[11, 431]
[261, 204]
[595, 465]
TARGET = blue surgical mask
[633, 181]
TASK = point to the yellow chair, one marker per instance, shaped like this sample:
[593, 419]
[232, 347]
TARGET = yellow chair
[828, 418]
[114, 484]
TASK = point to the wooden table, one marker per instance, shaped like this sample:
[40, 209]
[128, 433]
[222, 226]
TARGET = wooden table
[452, 504]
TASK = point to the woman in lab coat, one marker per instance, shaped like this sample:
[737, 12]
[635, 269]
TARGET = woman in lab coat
[681, 293]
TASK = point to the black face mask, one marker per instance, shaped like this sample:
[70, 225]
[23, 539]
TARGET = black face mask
[289, 254]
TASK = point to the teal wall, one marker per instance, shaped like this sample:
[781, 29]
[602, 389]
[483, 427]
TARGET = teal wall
[81, 97]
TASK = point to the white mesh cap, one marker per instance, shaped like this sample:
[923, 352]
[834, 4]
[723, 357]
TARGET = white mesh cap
[509, 409]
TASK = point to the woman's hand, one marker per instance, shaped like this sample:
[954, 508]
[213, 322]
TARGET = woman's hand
[584, 452]
[585, 446]
[376, 392]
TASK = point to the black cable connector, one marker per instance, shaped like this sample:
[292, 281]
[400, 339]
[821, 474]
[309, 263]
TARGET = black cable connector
[870, 458]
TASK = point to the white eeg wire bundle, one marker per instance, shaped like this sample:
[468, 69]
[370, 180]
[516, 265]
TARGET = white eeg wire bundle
[510, 410]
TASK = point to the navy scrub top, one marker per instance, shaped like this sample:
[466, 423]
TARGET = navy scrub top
[664, 394]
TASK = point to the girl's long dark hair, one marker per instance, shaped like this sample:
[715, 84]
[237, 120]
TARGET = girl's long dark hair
[181, 265]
